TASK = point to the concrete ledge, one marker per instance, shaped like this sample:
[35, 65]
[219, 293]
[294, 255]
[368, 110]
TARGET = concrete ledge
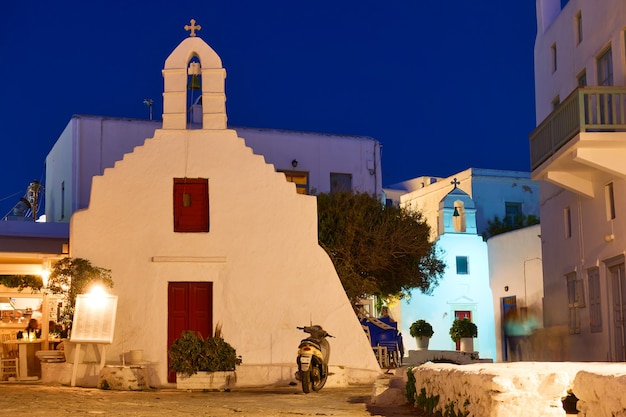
[521, 389]
[61, 373]
[418, 357]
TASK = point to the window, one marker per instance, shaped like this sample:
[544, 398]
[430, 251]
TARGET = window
[512, 211]
[605, 68]
[567, 220]
[609, 198]
[301, 179]
[572, 299]
[340, 182]
[553, 53]
[191, 205]
[579, 27]
[595, 310]
[462, 265]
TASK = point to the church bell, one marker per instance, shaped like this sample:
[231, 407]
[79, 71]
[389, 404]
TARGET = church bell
[194, 81]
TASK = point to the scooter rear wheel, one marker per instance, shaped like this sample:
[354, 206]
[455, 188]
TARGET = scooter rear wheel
[306, 381]
[318, 376]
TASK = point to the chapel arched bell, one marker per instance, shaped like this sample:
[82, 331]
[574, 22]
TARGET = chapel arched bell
[194, 81]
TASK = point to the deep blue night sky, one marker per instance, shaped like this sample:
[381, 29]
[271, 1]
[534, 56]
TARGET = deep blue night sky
[444, 86]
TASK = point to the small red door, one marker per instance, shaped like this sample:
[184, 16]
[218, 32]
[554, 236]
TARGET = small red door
[460, 315]
[189, 307]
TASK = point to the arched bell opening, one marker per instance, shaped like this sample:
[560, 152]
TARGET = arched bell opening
[459, 221]
[194, 93]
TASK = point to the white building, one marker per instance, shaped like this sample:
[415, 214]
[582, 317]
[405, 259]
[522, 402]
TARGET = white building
[315, 162]
[495, 192]
[467, 289]
[516, 281]
[578, 150]
[194, 214]
[463, 291]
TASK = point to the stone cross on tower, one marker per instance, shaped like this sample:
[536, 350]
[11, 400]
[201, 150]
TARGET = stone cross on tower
[193, 27]
[455, 182]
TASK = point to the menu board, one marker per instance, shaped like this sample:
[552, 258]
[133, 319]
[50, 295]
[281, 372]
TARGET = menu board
[94, 318]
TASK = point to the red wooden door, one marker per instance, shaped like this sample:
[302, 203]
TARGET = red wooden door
[460, 315]
[189, 307]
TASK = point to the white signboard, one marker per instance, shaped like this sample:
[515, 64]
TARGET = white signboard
[94, 318]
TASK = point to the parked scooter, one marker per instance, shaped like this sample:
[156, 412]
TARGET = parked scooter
[313, 355]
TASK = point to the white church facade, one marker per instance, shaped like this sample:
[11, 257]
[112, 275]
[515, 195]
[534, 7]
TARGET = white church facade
[463, 290]
[577, 154]
[192, 214]
[483, 277]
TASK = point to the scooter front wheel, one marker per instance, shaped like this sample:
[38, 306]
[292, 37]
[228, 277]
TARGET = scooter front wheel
[306, 381]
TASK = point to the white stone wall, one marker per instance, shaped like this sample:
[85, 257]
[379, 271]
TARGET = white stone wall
[525, 389]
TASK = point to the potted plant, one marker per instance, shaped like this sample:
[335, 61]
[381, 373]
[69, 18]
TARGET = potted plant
[203, 363]
[422, 331]
[464, 331]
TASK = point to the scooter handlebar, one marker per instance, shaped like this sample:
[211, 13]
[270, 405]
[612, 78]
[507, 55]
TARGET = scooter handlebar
[312, 329]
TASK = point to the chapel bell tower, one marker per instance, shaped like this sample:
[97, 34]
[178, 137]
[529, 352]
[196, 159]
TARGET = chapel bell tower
[194, 58]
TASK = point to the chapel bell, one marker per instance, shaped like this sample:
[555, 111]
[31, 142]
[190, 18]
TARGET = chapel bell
[194, 81]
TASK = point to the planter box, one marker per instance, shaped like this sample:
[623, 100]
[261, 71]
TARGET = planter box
[422, 342]
[207, 380]
[467, 344]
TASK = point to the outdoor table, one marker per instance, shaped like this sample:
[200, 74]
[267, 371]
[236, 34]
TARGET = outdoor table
[26, 357]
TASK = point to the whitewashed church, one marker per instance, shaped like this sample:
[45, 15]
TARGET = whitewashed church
[199, 230]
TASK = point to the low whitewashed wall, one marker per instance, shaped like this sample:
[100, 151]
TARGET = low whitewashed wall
[601, 390]
[522, 389]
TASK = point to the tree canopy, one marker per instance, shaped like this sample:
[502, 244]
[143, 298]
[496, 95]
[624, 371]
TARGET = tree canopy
[377, 250]
[74, 276]
[519, 221]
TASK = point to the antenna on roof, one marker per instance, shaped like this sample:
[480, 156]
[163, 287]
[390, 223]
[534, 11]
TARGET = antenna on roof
[148, 102]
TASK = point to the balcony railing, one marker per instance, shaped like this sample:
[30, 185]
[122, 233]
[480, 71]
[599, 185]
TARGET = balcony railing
[587, 109]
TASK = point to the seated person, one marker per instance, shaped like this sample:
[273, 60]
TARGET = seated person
[33, 328]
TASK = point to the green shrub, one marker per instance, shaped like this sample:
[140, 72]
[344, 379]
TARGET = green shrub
[421, 328]
[463, 328]
[191, 354]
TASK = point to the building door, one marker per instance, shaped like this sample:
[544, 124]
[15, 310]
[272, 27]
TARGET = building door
[618, 285]
[509, 310]
[189, 307]
[460, 315]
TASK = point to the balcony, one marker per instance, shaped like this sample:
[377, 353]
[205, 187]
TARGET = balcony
[587, 109]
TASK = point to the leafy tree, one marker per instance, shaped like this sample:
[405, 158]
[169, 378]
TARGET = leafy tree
[377, 250]
[74, 276]
[519, 221]
[22, 281]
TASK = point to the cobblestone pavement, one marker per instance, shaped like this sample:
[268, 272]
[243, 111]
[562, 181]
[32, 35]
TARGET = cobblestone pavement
[52, 401]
